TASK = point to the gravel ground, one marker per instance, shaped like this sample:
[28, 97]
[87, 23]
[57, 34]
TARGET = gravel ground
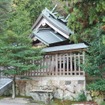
[16, 101]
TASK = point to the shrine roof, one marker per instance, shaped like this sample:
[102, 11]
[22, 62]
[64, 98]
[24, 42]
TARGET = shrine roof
[66, 47]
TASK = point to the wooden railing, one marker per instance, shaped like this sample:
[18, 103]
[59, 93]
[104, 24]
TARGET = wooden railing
[67, 64]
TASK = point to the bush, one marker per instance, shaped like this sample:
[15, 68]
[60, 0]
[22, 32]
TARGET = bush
[81, 96]
[103, 103]
[98, 85]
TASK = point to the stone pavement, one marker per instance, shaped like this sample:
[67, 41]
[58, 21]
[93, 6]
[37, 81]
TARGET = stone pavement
[16, 101]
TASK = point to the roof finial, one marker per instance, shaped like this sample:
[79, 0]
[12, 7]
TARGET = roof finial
[54, 8]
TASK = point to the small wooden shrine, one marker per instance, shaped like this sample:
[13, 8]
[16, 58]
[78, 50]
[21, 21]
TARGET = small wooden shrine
[62, 60]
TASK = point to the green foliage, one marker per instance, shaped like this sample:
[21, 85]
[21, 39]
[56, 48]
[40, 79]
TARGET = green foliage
[19, 59]
[103, 39]
[16, 53]
[95, 62]
[84, 16]
[33, 7]
[88, 22]
[5, 8]
[81, 96]
[98, 85]
[102, 103]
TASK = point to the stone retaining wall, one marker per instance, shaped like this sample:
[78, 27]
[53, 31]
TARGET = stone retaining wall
[63, 87]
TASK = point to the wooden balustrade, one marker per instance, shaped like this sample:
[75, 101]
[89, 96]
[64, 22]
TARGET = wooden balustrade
[67, 64]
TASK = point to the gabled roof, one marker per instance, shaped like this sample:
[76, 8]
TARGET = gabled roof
[54, 22]
[48, 36]
[66, 47]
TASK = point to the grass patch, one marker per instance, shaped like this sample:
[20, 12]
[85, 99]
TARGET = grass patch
[1, 97]
[62, 102]
[68, 102]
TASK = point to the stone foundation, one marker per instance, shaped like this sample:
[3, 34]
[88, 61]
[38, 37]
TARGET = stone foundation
[63, 87]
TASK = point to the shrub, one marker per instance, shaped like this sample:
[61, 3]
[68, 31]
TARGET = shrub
[81, 96]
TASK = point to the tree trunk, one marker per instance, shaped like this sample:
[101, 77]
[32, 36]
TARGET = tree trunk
[13, 88]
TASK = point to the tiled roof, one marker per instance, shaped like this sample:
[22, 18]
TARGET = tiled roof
[65, 47]
[48, 36]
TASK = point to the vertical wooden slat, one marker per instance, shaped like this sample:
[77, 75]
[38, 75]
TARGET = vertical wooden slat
[79, 63]
[71, 63]
[54, 70]
[59, 64]
[44, 64]
[63, 64]
[39, 70]
[33, 70]
[48, 72]
[52, 65]
[56, 64]
[41, 66]
[67, 63]
[74, 64]
[47, 64]
[83, 53]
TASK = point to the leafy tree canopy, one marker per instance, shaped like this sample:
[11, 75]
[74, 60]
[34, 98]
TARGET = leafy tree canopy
[84, 16]
[87, 19]
[5, 8]
[33, 7]
[16, 53]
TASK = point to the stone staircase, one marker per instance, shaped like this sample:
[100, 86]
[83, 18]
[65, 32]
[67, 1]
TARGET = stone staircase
[5, 84]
